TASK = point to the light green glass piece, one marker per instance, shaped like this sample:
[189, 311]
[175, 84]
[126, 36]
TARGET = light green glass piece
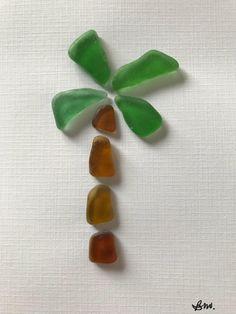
[88, 52]
[68, 104]
[141, 117]
[149, 66]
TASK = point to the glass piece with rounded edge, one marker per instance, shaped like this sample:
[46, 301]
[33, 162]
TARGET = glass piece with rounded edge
[102, 248]
[68, 104]
[88, 52]
[141, 117]
[99, 205]
[149, 66]
[104, 119]
[101, 162]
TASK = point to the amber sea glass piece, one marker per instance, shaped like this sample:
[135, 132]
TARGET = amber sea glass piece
[102, 248]
[104, 119]
[99, 205]
[101, 163]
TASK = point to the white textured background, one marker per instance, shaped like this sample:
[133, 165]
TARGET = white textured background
[175, 198]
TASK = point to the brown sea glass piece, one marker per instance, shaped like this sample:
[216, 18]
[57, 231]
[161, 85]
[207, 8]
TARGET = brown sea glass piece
[104, 119]
[101, 163]
[99, 205]
[102, 248]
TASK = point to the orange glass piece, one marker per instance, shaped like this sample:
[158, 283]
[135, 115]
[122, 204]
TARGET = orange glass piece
[100, 161]
[99, 205]
[104, 119]
[102, 248]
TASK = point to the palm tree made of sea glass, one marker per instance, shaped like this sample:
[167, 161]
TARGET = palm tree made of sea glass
[141, 117]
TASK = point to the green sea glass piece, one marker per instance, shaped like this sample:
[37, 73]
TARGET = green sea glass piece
[141, 117]
[149, 66]
[68, 104]
[88, 52]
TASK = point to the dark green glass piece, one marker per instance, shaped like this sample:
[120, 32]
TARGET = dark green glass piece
[149, 66]
[88, 52]
[68, 104]
[141, 117]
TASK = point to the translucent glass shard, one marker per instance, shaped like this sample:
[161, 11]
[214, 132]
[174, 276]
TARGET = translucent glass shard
[141, 117]
[149, 66]
[101, 162]
[102, 248]
[68, 104]
[99, 205]
[88, 52]
[104, 119]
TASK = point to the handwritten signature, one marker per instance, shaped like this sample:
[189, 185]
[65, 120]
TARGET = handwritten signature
[203, 306]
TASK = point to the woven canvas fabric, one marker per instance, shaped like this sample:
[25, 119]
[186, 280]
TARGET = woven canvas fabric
[175, 197]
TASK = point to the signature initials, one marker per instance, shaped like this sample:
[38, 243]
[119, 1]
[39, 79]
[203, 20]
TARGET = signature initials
[202, 306]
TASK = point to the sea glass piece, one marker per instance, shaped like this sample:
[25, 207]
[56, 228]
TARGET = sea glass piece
[101, 162]
[88, 52]
[102, 248]
[149, 66]
[104, 119]
[141, 117]
[99, 205]
[68, 104]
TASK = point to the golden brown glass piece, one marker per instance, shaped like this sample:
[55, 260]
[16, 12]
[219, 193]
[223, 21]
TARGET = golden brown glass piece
[102, 248]
[100, 161]
[104, 119]
[99, 205]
